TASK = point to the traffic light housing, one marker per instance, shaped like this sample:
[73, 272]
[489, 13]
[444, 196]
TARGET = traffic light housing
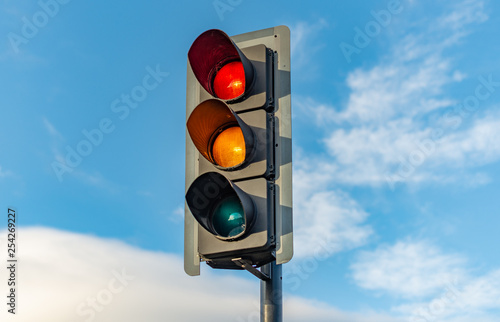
[238, 150]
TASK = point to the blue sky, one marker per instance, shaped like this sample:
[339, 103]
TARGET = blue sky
[396, 119]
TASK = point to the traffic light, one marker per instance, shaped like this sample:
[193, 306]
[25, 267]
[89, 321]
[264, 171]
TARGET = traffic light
[238, 209]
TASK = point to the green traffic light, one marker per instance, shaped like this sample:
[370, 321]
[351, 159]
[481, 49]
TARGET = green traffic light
[228, 219]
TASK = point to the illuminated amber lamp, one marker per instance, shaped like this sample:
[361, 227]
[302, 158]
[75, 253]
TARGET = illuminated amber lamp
[220, 135]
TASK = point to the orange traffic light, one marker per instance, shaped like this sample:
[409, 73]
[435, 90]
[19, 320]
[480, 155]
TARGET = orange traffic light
[229, 147]
[220, 135]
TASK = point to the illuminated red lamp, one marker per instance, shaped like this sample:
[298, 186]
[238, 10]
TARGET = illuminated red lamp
[220, 66]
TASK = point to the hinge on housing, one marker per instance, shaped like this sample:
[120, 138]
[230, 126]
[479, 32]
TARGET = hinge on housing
[245, 264]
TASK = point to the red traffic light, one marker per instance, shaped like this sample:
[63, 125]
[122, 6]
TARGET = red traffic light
[219, 65]
[229, 82]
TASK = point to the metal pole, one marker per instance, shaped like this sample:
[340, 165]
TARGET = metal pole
[271, 299]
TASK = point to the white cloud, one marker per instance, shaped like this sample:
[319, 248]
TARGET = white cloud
[326, 221]
[408, 269]
[401, 88]
[476, 145]
[308, 310]
[469, 299]
[399, 151]
[62, 273]
[465, 13]
[107, 280]
[329, 222]
[59, 272]
[434, 286]
[410, 81]
[398, 124]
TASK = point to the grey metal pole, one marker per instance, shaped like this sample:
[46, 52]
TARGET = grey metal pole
[271, 299]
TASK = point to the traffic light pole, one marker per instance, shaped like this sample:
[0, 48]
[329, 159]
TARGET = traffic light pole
[271, 299]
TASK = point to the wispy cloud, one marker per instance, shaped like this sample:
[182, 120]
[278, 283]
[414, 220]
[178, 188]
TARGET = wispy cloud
[464, 13]
[473, 299]
[304, 44]
[401, 108]
[177, 215]
[51, 129]
[398, 89]
[400, 151]
[408, 269]
[5, 173]
[434, 285]
[326, 220]
[56, 140]
[98, 180]
[92, 178]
